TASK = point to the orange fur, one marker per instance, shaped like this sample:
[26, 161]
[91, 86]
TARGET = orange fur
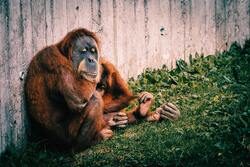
[50, 86]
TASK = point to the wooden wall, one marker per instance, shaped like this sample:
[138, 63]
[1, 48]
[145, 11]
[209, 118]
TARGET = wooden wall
[135, 34]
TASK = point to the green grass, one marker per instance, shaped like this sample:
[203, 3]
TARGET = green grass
[213, 94]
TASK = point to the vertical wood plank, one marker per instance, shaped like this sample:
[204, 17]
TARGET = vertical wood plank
[24, 60]
[119, 32]
[139, 60]
[165, 31]
[84, 14]
[14, 42]
[187, 15]
[177, 33]
[220, 25]
[242, 28]
[16, 64]
[231, 20]
[5, 138]
[129, 38]
[184, 18]
[49, 21]
[210, 35]
[106, 33]
[198, 22]
[248, 12]
[27, 33]
[59, 27]
[72, 14]
[115, 32]
[146, 31]
[153, 25]
[38, 25]
[96, 16]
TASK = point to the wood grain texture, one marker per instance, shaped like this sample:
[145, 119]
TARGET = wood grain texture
[135, 34]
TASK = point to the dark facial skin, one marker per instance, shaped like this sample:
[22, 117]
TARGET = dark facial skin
[86, 58]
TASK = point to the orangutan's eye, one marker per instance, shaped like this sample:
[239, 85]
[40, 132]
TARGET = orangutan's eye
[84, 50]
[93, 50]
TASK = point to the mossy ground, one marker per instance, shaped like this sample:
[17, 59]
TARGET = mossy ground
[213, 94]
